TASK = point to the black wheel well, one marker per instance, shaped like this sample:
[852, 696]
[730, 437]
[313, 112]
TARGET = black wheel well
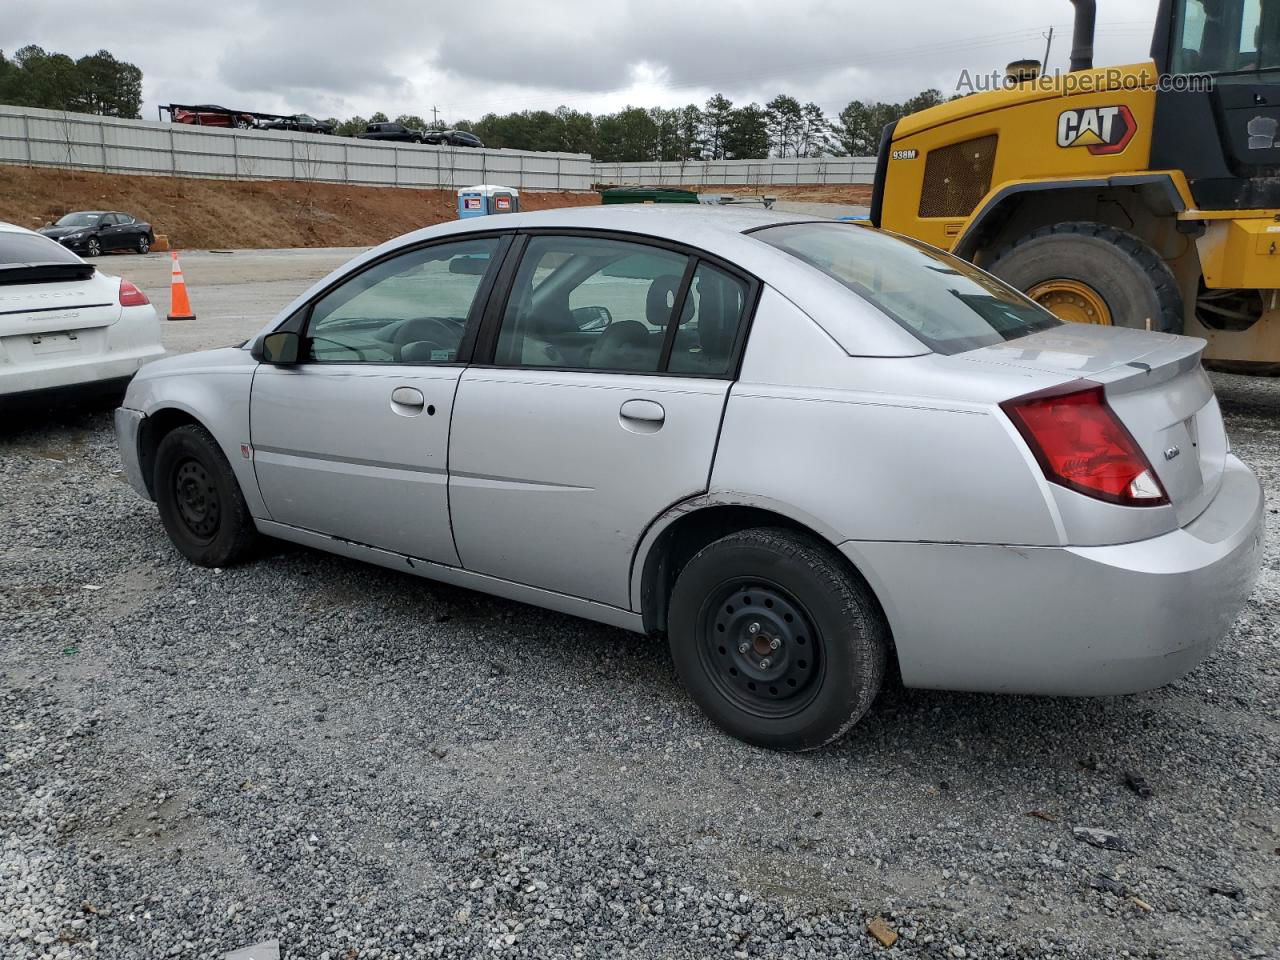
[1144, 210]
[678, 544]
[154, 428]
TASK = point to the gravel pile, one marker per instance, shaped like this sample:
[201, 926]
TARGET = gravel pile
[363, 765]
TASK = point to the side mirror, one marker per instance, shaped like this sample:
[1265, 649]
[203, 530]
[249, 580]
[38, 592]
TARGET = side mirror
[592, 319]
[281, 348]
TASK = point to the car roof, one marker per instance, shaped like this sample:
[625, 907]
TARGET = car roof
[859, 328]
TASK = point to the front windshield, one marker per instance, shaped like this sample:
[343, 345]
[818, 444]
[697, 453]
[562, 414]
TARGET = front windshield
[79, 220]
[948, 304]
[1225, 36]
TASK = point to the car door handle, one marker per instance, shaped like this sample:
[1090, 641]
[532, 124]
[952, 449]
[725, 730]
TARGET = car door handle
[645, 411]
[408, 397]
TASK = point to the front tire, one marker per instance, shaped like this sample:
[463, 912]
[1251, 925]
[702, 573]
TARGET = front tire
[1093, 273]
[775, 639]
[200, 502]
[93, 248]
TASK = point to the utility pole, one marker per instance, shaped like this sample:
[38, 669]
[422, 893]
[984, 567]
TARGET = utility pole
[1048, 45]
[435, 114]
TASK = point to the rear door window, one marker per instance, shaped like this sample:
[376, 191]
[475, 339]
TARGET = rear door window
[588, 303]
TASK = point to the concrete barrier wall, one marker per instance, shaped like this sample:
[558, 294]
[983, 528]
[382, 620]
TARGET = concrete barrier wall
[52, 138]
[739, 172]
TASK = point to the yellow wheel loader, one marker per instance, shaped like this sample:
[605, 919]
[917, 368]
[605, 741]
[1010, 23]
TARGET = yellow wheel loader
[1145, 195]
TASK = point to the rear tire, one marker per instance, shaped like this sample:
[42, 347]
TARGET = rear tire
[144, 245]
[200, 502]
[777, 642]
[1102, 262]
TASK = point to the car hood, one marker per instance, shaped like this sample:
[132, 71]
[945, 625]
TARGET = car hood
[220, 359]
[56, 232]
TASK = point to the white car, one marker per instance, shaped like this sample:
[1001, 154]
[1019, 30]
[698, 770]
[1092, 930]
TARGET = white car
[64, 324]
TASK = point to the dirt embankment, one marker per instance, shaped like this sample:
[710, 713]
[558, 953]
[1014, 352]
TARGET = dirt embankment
[235, 214]
[856, 193]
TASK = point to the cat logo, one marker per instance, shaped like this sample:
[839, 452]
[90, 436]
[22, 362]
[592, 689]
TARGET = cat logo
[1101, 130]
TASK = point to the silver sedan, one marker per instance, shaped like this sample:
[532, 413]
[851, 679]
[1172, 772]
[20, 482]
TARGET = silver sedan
[800, 450]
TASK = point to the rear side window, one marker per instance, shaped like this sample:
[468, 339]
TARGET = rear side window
[709, 323]
[949, 305]
[17, 248]
[586, 303]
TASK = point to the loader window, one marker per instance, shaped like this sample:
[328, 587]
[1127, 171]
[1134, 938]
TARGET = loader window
[1226, 36]
[949, 305]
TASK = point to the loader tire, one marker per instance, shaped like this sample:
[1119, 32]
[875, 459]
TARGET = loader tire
[1093, 273]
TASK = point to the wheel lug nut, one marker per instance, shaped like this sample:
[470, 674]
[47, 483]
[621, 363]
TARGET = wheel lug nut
[775, 643]
[764, 664]
[743, 647]
[753, 629]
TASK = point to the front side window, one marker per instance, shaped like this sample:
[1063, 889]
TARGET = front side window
[948, 304]
[413, 308]
[1225, 36]
[585, 303]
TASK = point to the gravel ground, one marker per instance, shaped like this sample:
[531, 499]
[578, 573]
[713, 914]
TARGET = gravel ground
[361, 764]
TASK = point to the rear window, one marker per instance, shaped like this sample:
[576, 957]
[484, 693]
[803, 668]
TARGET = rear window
[22, 248]
[949, 305]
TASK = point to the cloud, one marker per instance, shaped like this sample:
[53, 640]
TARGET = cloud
[336, 58]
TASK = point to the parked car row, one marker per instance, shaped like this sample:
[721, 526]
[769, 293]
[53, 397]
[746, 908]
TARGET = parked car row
[213, 115]
[399, 133]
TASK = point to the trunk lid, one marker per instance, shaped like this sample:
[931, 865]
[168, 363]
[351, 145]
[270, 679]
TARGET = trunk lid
[35, 300]
[1155, 384]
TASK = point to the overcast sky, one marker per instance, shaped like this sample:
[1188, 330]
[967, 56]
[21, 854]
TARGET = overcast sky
[403, 56]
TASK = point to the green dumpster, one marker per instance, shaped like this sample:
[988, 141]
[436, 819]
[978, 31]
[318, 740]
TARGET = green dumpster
[647, 195]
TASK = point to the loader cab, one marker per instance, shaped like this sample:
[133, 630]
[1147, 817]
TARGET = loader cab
[1223, 131]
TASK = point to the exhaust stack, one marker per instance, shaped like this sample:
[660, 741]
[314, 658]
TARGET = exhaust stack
[1082, 35]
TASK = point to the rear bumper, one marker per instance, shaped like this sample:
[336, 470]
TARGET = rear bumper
[56, 374]
[1078, 621]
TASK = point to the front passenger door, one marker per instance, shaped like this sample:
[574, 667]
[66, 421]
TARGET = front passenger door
[353, 441]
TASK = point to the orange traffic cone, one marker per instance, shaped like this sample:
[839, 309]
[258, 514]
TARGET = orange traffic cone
[179, 305]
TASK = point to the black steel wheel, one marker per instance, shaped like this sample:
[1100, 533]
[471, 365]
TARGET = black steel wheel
[760, 648]
[200, 502]
[197, 498]
[776, 638]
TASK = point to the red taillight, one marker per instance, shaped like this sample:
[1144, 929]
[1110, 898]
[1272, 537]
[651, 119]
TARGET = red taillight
[1083, 446]
[131, 296]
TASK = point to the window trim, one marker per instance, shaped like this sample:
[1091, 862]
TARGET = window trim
[487, 340]
[300, 320]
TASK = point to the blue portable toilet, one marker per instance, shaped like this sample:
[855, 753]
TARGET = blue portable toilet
[487, 198]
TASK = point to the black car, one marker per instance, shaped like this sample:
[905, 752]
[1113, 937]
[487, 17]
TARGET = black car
[94, 232]
[453, 138]
[299, 122]
[397, 132]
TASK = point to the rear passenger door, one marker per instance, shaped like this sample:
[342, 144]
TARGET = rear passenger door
[591, 408]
